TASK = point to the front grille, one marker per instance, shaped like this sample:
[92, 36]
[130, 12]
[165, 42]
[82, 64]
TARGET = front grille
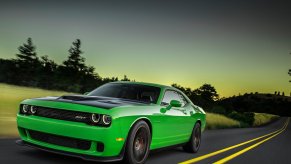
[61, 114]
[60, 140]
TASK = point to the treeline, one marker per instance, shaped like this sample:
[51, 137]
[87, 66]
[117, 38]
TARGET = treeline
[30, 69]
[207, 97]
[261, 103]
[240, 108]
[74, 75]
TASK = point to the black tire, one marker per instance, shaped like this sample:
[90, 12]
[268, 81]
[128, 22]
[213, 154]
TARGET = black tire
[194, 143]
[138, 143]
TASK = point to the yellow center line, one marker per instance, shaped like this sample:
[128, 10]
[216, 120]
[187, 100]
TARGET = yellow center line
[229, 148]
[224, 160]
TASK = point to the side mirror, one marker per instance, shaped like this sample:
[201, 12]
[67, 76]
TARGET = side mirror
[175, 103]
[86, 93]
[163, 110]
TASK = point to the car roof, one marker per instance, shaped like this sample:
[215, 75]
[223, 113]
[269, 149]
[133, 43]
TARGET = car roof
[144, 83]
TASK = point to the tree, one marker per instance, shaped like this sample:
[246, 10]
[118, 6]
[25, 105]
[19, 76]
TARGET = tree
[289, 72]
[27, 52]
[50, 65]
[48, 69]
[207, 92]
[75, 61]
[73, 69]
[27, 65]
[188, 91]
[125, 78]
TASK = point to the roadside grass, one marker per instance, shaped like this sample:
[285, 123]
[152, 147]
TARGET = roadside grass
[10, 97]
[264, 118]
[218, 121]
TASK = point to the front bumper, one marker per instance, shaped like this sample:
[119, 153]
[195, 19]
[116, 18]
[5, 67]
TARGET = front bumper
[112, 151]
[82, 156]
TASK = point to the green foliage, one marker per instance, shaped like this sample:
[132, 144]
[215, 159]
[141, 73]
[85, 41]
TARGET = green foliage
[289, 72]
[247, 117]
[204, 96]
[219, 110]
[74, 75]
[264, 118]
[27, 52]
[30, 70]
[259, 103]
[207, 92]
[125, 78]
[75, 61]
[218, 121]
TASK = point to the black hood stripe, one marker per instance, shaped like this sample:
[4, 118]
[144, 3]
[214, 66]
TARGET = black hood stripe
[100, 102]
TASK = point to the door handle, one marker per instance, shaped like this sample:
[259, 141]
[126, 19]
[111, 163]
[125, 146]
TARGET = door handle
[184, 111]
[192, 113]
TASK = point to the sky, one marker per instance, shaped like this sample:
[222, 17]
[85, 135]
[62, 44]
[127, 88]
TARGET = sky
[237, 46]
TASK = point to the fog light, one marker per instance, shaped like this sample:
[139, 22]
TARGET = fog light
[100, 146]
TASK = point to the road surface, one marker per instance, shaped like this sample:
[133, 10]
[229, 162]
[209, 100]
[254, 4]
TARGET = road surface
[247, 145]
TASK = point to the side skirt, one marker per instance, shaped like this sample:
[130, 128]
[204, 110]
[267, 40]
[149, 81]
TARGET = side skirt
[167, 147]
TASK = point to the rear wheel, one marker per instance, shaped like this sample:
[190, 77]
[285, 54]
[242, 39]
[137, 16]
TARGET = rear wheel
[138, 143]
[194, 143]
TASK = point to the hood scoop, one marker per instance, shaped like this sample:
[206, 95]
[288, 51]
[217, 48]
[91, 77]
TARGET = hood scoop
[79, 98]
[71, 97]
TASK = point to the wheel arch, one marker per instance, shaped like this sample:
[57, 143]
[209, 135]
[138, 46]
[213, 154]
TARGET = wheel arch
[198, 121]
[123, 151]
[145, 119]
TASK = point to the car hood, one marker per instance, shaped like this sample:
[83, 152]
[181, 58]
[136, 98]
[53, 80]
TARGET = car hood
[95, 101]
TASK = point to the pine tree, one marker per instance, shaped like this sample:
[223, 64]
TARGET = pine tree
[27, 64]
[27, 53]
[75, 61]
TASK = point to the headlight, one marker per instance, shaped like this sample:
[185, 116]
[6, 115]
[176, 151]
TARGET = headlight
[95, 118]
[24, 108]
[106, 119]
[32, 109]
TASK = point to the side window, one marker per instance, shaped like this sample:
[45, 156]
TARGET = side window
[169, 95]
[173, 95]
[182, 99]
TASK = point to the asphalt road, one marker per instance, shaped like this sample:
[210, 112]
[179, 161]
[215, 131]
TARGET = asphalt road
[273, 150]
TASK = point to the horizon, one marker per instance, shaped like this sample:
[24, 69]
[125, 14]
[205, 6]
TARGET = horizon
[237, 48]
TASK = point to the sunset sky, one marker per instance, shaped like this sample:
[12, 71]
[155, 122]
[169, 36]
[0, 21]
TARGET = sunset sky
[237, 46]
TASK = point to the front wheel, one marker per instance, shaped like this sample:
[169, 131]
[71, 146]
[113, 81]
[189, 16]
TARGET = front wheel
[194, 143]
[138, 143]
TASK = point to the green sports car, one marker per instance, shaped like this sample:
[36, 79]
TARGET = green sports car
[116, 121]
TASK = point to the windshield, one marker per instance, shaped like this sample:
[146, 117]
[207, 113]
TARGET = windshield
[136, 92]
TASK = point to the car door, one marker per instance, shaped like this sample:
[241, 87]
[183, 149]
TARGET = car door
[175, 121]
[186, 122]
